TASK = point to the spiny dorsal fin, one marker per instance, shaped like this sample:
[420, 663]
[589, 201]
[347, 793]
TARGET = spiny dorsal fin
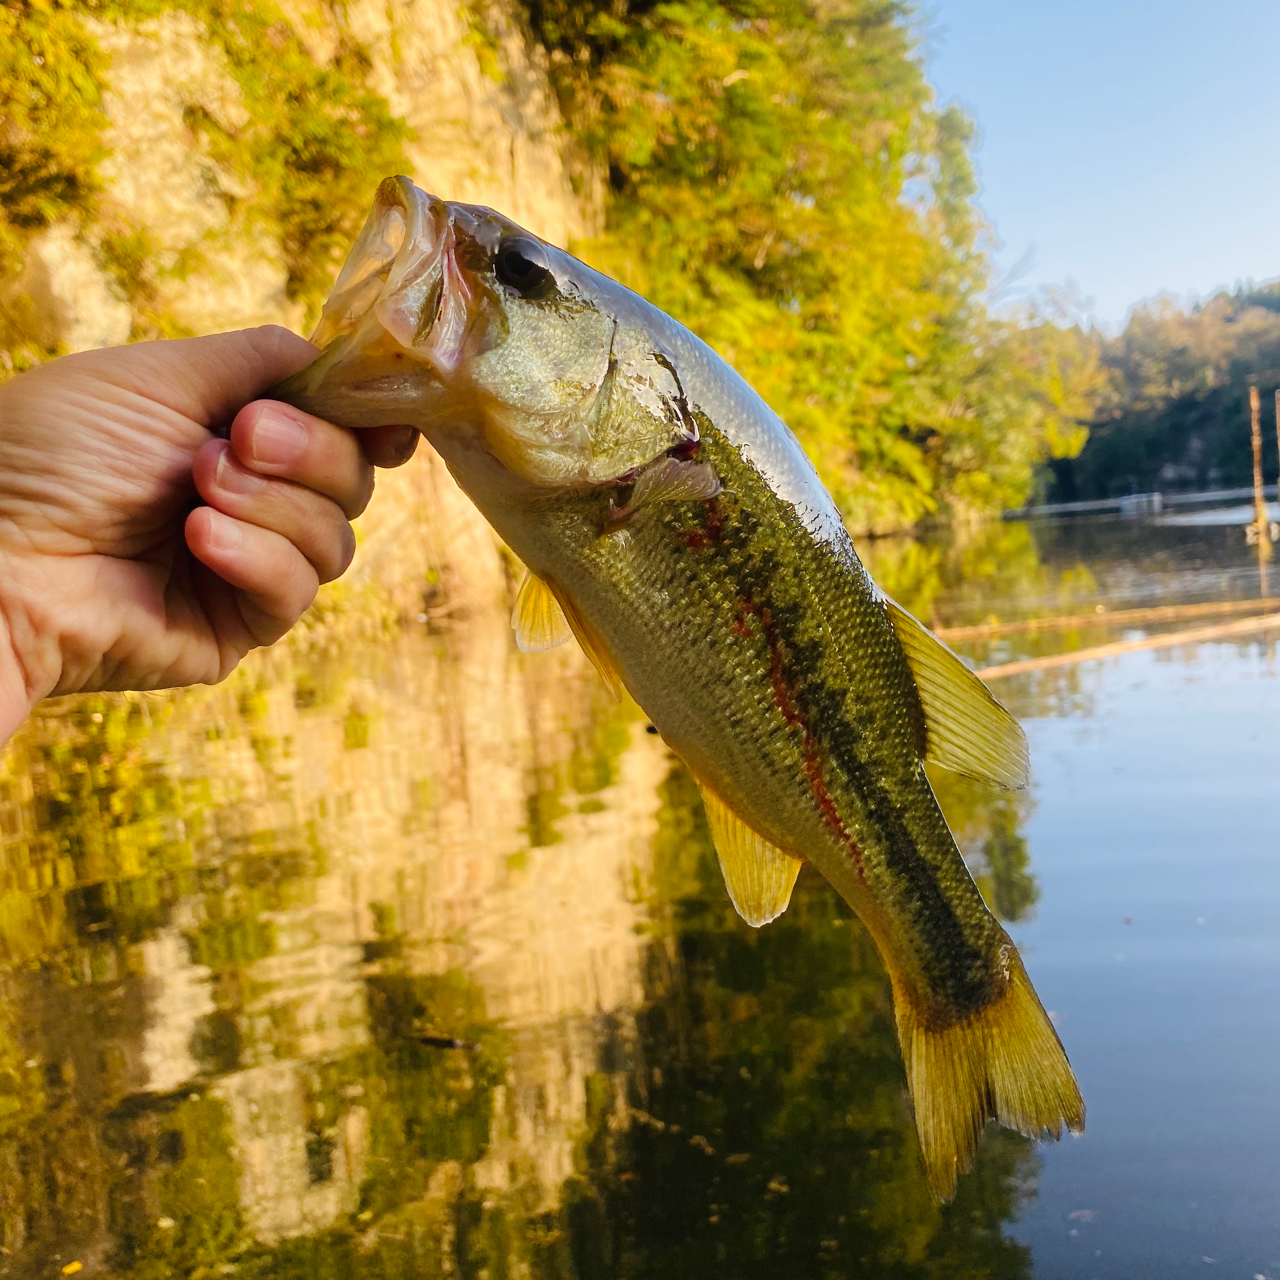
[758, 875]
[968, 730]
[591, 644]
[537, 619]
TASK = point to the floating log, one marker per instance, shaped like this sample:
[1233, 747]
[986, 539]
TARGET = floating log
[1119, 618]
[1169, 640]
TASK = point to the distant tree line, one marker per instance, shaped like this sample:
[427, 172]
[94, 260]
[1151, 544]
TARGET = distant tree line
[1175, 413]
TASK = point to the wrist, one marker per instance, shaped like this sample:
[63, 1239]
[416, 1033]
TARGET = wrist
[14, 700]
[17, 693]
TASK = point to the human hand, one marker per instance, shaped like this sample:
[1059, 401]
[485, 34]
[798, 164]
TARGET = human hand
[108, 578]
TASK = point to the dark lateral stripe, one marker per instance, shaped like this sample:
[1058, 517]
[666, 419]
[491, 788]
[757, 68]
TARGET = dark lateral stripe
[963, 977]
[956, 972]
[792, 714]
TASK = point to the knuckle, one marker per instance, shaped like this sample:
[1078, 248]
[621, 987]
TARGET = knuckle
[301, 591]
[336, 556]
[348, 550]
[363, 495]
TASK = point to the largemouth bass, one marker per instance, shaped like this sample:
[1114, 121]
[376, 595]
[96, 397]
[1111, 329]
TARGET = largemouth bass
[672, 523]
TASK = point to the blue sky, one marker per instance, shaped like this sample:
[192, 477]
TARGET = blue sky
[1128, 147]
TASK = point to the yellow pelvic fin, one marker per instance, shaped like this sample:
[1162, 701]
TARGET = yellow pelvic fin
[591, 644]
[537, 619]
[1005, 1063]
[968, 730]
[758, 875]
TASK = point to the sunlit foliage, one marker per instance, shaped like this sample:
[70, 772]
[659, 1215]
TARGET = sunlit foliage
[776, 174]
[780, 178]
[50, 127]
[312, 145]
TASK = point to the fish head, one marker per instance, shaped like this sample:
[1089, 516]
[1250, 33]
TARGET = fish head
[453, 319]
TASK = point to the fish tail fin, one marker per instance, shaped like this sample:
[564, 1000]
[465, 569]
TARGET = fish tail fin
[1005, 1063]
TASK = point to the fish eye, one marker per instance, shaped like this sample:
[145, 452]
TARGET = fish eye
[521, 264]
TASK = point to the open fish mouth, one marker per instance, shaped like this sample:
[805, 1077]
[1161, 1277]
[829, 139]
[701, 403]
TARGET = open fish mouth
[402, 278]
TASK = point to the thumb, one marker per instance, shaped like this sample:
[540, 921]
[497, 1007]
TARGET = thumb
[207, 379]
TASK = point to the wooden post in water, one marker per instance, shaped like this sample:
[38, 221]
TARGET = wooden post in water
[1262, 524]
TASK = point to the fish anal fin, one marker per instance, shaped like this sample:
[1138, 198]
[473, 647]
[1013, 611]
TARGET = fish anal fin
[967, 729]
[591, 644]
[537, 618]
[1005, 1063]
[757, 874]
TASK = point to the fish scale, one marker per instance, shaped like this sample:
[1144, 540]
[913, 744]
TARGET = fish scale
[841, 717]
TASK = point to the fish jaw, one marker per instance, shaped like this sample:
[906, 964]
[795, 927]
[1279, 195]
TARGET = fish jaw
[393, 328]
[402, 278]
[446, 313]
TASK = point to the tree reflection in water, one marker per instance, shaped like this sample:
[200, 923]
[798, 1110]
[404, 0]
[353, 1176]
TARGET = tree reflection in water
[242, 928]
[771, 1134]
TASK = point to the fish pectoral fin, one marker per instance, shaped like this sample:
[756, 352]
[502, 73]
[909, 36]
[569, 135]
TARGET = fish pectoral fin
[967, 729]
[758, 875]
[1002, 1063]
[537, 619]
[674, 480]
[668, 480]
[591, 644]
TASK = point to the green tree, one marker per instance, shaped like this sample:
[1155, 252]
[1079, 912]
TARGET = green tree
[781, 180]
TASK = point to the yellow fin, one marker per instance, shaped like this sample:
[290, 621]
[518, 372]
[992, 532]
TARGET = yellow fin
[592, 645]
[968, 730]
[537, 619]
[758, 875]
[1005, 1063]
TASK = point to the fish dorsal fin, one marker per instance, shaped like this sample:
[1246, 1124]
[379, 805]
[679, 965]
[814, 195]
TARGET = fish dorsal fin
[537, 619]
[592, 645]
[758, 875]
[967, 729]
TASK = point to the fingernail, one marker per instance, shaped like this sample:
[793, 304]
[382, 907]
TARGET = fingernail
[235, 479]
[225, 534]
[277, 439]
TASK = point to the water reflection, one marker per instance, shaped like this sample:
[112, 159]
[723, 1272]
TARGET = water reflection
[407, 955]
[411, 956]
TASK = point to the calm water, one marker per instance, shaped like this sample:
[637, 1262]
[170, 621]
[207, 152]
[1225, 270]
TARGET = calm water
[407, 955]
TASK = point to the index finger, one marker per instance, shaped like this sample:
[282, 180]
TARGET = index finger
[275, 439]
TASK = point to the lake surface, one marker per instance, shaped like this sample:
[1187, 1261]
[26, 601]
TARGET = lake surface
[403, 954]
